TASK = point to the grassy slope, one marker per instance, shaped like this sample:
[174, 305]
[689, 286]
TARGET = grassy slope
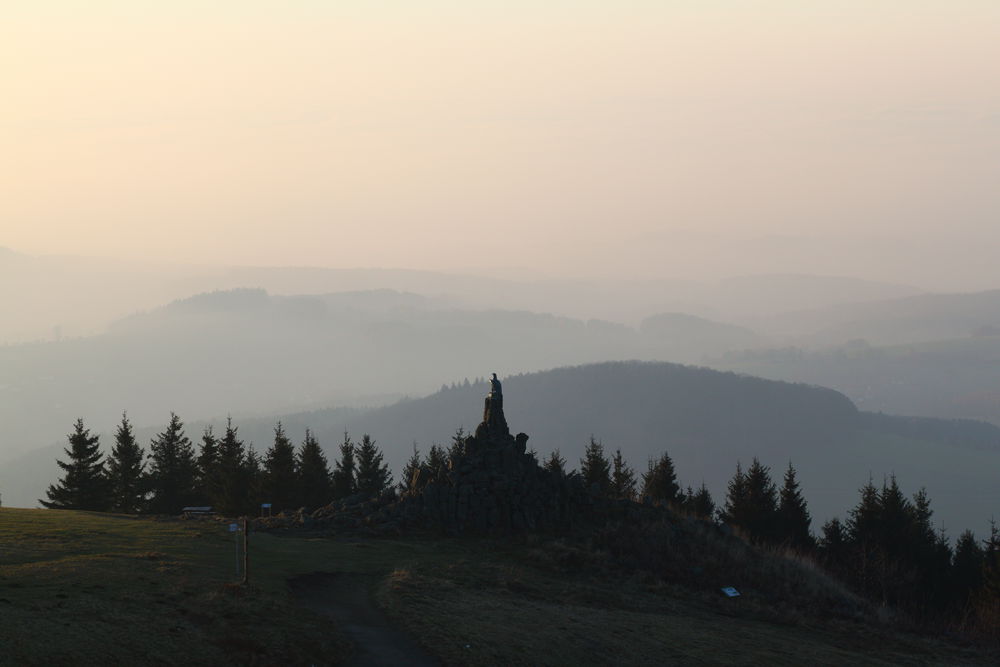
[79, 588]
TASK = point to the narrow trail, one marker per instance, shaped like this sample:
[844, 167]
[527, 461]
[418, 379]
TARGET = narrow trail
[346, 598]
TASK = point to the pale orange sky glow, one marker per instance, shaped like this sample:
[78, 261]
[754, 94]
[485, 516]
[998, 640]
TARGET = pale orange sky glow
[636, 138]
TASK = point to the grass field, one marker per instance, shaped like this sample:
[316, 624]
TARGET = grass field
[84, 588]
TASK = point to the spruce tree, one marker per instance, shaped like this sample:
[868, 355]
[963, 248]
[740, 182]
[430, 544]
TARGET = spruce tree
[232, 478]
[344, 470]
[659, 482]
[254, 472]
[208, 461]
[793, 516]
[410, 470]
[173, 471]
[437, 460]
[595, 467]
[555, 463]
[457, 447]
[314, 474]
[126, 470]
[990, 591]
[700, 502]
[373, 478]
[967, 569]
[622, 478]
[763, 498]
[834, 545]
[85, 485]
[280, 480]
[736, 510]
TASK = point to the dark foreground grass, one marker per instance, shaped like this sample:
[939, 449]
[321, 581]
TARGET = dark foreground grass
[82, 588]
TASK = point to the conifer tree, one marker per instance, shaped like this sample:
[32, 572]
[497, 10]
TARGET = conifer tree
[863, 522]
[763, 502]
[735, 512]
[793, 516]
[208, 460]
[172, 471]
[457, 447]
[280, 480]
[314, 474]
[595, 467]
[85, 485]
[344, 470]
[126, 470]
[233, 475]
[834, 544]
[622, 477]
[437, 459]
[254, 471]
[373, 478]
[967, 569]
[555, 463]
[700, 502]
[659, 482]
[410, 470]
[990, 591]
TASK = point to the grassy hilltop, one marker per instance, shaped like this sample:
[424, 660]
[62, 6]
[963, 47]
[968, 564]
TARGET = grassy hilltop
[82, 588]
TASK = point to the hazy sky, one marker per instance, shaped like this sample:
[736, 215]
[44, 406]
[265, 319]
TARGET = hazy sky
[606, 138]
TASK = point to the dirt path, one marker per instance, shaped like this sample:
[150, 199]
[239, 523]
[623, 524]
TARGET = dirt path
[347, 599]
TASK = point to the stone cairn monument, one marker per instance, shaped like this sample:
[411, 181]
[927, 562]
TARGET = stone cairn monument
[493, 486]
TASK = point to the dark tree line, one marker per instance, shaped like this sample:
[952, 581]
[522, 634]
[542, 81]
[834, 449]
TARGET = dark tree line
[887, 549]
[222, 472]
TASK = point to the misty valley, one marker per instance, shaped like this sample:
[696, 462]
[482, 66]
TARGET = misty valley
[841, 460]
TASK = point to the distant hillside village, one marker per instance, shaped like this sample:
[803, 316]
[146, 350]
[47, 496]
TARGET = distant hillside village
[489, 482]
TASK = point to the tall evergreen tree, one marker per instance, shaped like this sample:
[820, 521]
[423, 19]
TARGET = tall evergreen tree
[700, 502]
[659, 482]
[254, 471]
[834, 545]
[595, 467]
[126, 470]
[314, 474]
[990, 591]
[85, 485]
[763, 498]
[208, 460]
[555, 463]
[345, 470]
[457, 447]
[232, 478]
[967, 569]
[373, 478]
[735, 511]
[622, 478]
[173, 471]
[410, 470]
[280, 479]
[437, 459]
[793, 516]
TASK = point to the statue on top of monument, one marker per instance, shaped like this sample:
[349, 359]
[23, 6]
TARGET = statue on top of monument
[495, 387]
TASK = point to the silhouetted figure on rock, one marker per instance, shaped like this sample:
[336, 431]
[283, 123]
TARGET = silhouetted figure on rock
[494, 423]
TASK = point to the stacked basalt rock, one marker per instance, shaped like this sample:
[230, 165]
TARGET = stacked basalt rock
[492, 487]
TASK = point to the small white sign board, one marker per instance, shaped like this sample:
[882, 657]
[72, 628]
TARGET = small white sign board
[233, 527]
[731, 592]
[265, 506]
